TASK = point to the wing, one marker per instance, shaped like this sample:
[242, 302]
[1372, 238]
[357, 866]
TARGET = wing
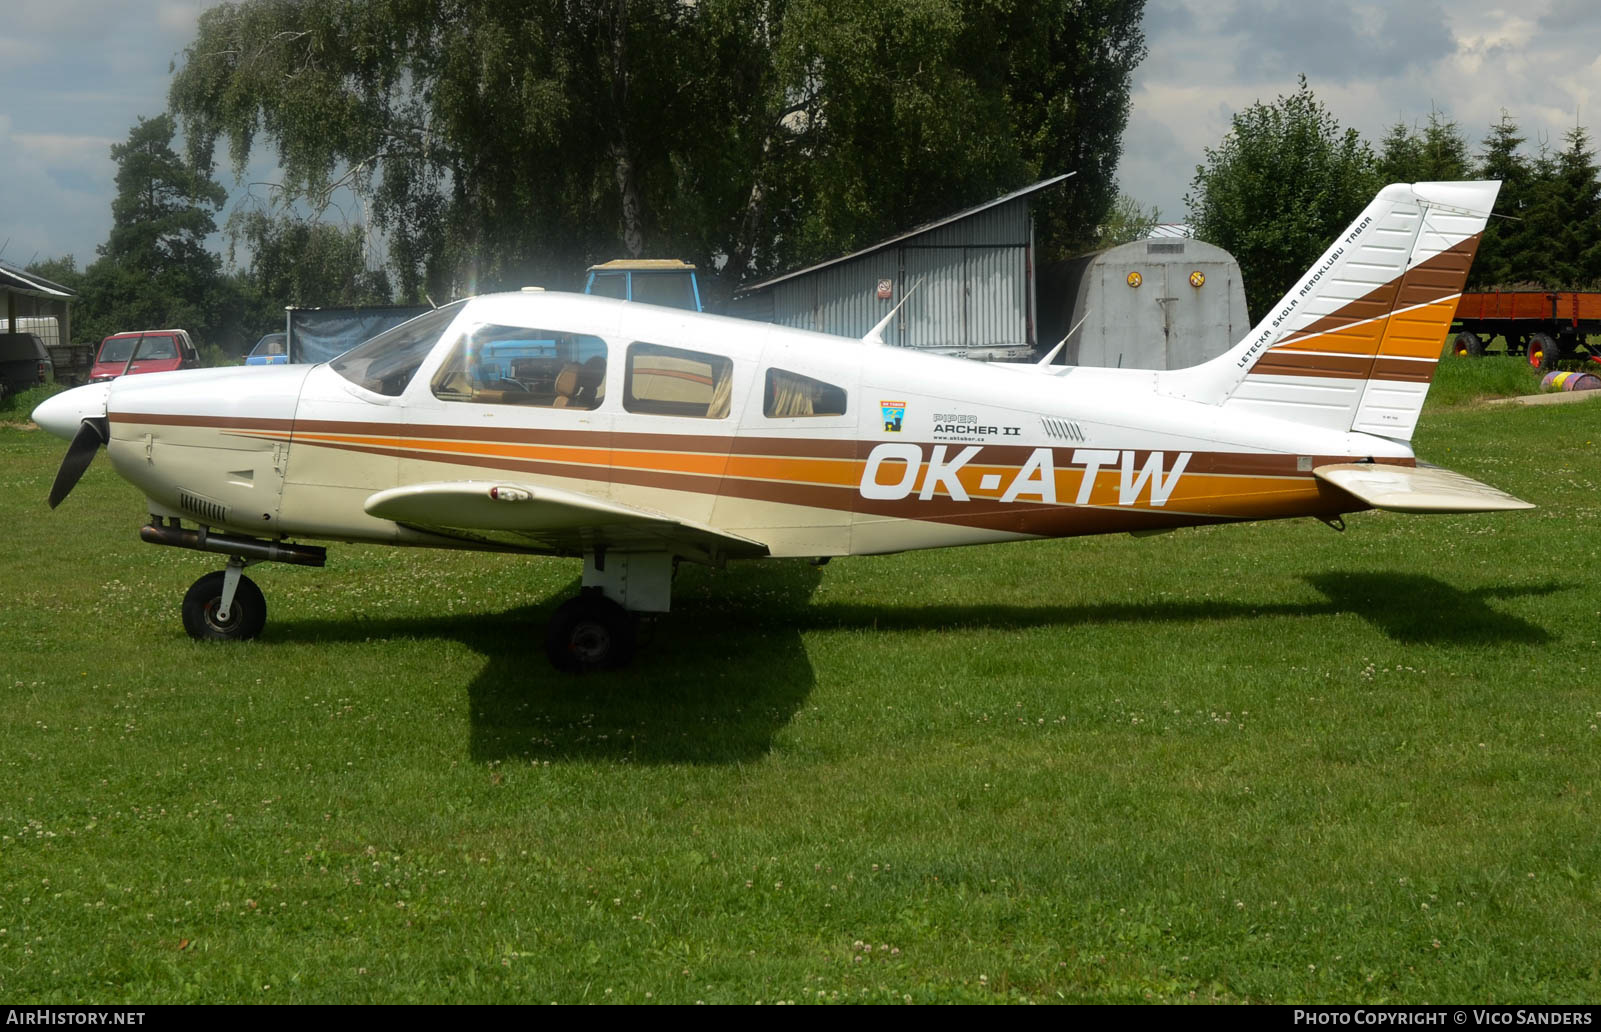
[1416, 488]
[551, 520]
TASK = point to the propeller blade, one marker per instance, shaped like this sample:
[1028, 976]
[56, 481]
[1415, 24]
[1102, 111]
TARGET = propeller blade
[92, 433]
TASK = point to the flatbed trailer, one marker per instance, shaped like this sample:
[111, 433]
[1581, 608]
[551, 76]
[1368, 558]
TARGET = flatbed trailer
[1545, 325]
[72, 362]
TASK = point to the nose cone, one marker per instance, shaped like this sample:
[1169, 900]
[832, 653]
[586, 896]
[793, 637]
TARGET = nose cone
[62, 413]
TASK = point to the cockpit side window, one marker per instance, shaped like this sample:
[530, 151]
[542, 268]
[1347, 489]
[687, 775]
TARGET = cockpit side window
[788, 395]
[520, 365]
[665, 381]
[386, 363]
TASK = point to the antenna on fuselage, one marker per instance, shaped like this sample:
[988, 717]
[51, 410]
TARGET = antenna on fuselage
[874, 338]
[1051, 355]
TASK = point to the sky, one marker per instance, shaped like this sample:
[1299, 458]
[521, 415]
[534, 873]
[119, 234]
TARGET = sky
[1372, 64]
[75, 76]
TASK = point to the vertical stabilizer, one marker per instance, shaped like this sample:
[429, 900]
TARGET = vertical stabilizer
[1354, 344]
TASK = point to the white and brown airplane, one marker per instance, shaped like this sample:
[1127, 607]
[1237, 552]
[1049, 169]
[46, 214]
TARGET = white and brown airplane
[637, 437]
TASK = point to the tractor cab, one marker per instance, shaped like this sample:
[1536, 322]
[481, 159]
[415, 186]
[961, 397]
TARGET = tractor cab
[654, 281]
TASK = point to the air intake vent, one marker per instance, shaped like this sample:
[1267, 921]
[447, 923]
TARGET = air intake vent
[1164, 248]
[1063, 429]
[207, 510]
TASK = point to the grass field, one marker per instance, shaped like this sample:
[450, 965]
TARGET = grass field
[1256, 763]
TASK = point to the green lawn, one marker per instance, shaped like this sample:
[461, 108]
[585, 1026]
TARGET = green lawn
[1256, 763]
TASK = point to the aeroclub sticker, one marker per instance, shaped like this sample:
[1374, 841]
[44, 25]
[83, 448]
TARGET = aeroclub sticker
[894, 415]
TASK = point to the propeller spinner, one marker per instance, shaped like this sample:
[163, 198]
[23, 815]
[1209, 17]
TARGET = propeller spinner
[78, 414]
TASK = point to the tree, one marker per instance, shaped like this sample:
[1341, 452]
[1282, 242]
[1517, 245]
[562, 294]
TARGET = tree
[1126, 222]
[154, 269]
[303, 262]
[1400, 154]
[63, 270]
[1444, 154]
[1500, 260]
[526, 141]
[1439, 153]
[1560, 248]
[1278, 188]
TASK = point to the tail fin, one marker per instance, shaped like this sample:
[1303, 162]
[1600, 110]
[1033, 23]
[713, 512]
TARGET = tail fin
[1353, 345]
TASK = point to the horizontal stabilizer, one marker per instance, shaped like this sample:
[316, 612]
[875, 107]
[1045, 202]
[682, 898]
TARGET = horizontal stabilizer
[549, 519]
[1417, 488]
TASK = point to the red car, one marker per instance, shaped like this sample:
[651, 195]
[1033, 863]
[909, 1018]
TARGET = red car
[152, 351]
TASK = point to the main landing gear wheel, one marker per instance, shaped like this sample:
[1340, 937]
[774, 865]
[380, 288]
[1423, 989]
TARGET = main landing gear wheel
[246, 617]
[590, 632]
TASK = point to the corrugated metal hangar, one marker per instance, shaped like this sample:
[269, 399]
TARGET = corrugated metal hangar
[32, 304]
[973, 274]
[979, 292]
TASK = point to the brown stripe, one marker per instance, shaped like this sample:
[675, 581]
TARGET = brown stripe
[1405, 370]
[215, 422]
[1346, 367]
[1339, 367]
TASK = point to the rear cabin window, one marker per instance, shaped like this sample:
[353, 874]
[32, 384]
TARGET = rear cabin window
[665, 381]
[789, 395]
[521, 365]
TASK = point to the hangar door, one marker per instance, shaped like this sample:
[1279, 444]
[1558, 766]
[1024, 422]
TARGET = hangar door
[973, 300]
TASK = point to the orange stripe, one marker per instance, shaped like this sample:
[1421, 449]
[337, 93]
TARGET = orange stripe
[1360, 339]
[1418, 332]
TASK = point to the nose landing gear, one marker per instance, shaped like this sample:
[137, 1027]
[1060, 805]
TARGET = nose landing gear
[225, 606]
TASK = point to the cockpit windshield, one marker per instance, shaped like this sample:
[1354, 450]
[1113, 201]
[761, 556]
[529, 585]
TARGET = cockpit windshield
[386, 363]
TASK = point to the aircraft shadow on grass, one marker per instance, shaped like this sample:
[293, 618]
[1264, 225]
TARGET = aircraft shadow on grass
[716, 679]
[723, 673]
[1406, 607]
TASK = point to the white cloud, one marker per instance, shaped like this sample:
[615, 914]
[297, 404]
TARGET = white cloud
[179, 16]
[58, 151]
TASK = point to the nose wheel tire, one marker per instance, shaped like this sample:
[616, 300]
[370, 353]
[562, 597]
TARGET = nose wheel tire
[246, 617]
[590, 632]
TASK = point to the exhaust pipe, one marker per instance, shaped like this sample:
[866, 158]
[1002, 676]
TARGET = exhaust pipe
[203, 540]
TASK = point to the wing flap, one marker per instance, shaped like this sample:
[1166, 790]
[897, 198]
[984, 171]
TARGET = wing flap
[1420, 488]
[562, 521]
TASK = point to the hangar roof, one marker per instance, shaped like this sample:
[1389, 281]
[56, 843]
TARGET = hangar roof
[19, 282]
[947, 220]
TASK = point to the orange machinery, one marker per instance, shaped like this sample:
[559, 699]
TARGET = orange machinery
[1545, 325]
